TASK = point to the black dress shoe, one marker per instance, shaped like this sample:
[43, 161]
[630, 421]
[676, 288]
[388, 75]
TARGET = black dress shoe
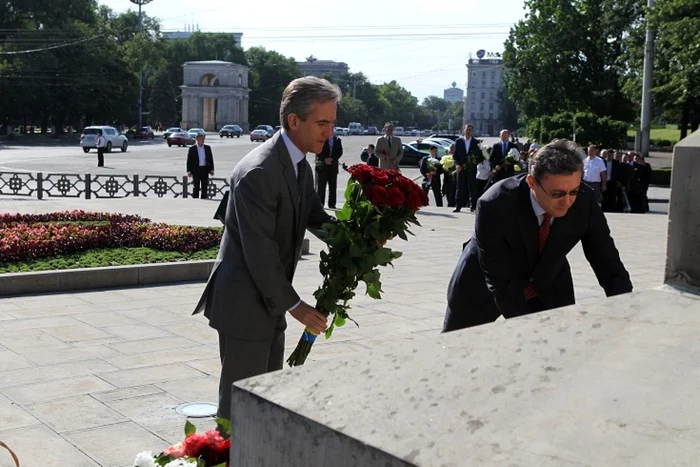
[457, 209]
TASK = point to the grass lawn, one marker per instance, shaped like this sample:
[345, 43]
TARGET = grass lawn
[671, 133]
[106, 257]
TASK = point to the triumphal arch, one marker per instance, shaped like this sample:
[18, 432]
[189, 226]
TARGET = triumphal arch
[214, 94]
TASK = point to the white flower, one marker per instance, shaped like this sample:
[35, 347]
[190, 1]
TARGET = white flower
[145, 459]
[181, 463]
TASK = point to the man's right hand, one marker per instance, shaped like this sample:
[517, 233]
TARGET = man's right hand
[189, 174]
[459, 168]
[310, 317]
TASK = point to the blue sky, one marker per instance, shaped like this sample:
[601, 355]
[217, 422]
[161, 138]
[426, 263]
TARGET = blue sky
[422, 46]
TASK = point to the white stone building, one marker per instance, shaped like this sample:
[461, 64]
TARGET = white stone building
[484, 83]
[453, 94]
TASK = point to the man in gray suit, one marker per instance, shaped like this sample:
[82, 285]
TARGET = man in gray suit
[389, 148]
[271, 202]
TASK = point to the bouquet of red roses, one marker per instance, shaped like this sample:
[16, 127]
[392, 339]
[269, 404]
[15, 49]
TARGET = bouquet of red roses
[379, 205]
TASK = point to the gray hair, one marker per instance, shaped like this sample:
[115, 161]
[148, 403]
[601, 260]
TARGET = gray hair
[560, 157]
[301, 94]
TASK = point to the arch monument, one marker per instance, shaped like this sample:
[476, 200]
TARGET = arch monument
[214, 94]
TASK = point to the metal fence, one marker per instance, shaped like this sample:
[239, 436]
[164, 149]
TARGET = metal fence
[56, 185]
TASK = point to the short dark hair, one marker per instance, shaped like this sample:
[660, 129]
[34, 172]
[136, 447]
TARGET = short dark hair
[560, 157]
[301, 94]
[370, 146]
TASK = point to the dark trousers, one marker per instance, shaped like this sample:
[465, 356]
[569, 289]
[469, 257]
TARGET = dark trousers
[480, 188]
[241, 359]
[200, 180]
[327, 175]
[100, 157]
[437, 189]
[466, 189]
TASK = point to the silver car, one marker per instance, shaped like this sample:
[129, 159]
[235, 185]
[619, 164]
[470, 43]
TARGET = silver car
[113, 139]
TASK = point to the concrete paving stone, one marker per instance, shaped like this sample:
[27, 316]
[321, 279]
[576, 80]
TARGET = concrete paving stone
[12, 416]
[126, 393]
[196, 329]
[75, 413]
[57, 300]
[387, 341]
[5, 317]
[336, 349]
[149, 375]
[155, 316]
[203, 389]
[7, 305]
[103, 319]
[97, 342]
[72, 354]
[162, 357]
[100, 296]
[37, 312]
[47, 373]
[136, 331]
[151, 411]
[126, 305]
[141, 293]
[407, 311]
[29, 340]
[152, 345]
[39, 323]
[115, 444]
[9, 360]
[43, 392]
[38, 446]
[77, 332]
[397, 326]
[210, 366]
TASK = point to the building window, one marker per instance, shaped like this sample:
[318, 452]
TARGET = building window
[482, 108]
[483, 95]
[473, 115]
[490, 105]
[240, 79]
[490, 116]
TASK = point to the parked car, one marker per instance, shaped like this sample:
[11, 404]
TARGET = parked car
[113, 139]
[259, 135]
[267, 129]
[440, 141]
[398, 131]
[180, 140]
[445, 136]
[277, 128]
[412, 156]
[355, 128]
[145, 132]
[338, 131]
[230, 131]
[174, 129]
[372, 130]
[426, 145]
[196, 131]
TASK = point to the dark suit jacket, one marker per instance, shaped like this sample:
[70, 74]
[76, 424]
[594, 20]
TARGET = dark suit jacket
[501, 258]
[334, 154]
[497, 154]
[250, 286]
[193, 158]
[614, 175]
[461, 154]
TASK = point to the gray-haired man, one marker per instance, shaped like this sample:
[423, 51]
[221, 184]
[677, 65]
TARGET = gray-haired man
[271, 203]
[515, 263]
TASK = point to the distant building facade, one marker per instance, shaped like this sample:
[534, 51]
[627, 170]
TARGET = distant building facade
[453, 94]
[189, 30]
[314, 67]
[484, 84]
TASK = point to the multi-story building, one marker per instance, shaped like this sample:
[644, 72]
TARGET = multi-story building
[314, 67]
[453, 94]
[484, 84]
[190, 29]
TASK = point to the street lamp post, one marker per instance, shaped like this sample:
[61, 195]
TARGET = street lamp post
[140, 3]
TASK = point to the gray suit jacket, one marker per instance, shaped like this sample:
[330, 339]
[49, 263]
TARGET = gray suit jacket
[250, 286]
[389, 158]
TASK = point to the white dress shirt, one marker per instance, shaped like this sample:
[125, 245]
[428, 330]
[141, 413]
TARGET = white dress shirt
[202, 156]
[592, 168]
[100, 142]
[467, 144]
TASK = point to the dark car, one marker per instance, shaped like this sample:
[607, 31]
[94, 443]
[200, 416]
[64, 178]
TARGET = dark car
[179, 140]
[412, 156]
[230, 131]
[145, 132]
[171, 130]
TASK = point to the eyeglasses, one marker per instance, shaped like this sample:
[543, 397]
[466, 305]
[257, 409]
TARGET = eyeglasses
[559, 194]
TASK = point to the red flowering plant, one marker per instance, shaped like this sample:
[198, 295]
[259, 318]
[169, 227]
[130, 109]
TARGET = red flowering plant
[208, 449]
[379, 205]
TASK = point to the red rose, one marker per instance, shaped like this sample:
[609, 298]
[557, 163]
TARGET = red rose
[396, 196]
[383, 151]
[362, 173]
[380, 177]
[414, 201]
[377, 195]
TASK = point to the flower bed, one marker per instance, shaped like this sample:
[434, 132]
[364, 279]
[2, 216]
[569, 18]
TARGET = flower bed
[25, 237]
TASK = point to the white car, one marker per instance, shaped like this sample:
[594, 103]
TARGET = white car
[338, 131]
[398, 131]
[196, 131]
[113, 139]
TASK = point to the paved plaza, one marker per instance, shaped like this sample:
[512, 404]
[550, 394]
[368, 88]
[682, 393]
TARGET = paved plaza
[94, 377]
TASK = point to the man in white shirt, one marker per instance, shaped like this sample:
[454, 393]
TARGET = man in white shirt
[200, 165]
[595, 173]
[100, 144]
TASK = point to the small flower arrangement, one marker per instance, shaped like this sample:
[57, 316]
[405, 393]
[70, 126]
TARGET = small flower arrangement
[208, 449]
[448, 163]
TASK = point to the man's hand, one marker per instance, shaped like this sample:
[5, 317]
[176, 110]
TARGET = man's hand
[603, 187]
[189, 174]
[459, 167]
[310, 317]
[211, 173]
[328, 160]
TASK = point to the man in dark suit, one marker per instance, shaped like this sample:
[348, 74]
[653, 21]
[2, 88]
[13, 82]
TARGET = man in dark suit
[515, 263]
[271, 203]
[499, 151]
[327, 169]
[467, 156]
[200, 164]
[612, 174]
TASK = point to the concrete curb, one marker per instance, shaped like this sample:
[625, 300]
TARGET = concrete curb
[23, 283]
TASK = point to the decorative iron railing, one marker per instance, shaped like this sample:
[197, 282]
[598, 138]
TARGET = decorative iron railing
[57, 185]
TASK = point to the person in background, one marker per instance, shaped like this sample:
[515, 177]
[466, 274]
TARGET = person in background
[389, 148]
[431, 179]
[327, 170]
[100, 144]
[200, 165]
[369, 156]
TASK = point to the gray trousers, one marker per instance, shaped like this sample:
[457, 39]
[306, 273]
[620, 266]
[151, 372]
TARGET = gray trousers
[241, 359]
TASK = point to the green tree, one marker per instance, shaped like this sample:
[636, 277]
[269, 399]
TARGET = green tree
[270, 73]
[162, 105]
[398, 104]
[351, 110]
[435, 103]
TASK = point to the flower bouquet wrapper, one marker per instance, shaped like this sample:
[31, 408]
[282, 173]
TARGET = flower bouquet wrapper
[379, 205]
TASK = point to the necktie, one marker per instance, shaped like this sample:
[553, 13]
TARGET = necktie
[545, 227]
[301, 171]
[388, 140]
[503, 145]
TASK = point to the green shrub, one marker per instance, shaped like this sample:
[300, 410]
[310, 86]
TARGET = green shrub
[589, 129]
[661, 176]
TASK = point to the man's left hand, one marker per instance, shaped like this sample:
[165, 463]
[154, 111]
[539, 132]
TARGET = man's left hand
[211, 173]
[328, 160]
